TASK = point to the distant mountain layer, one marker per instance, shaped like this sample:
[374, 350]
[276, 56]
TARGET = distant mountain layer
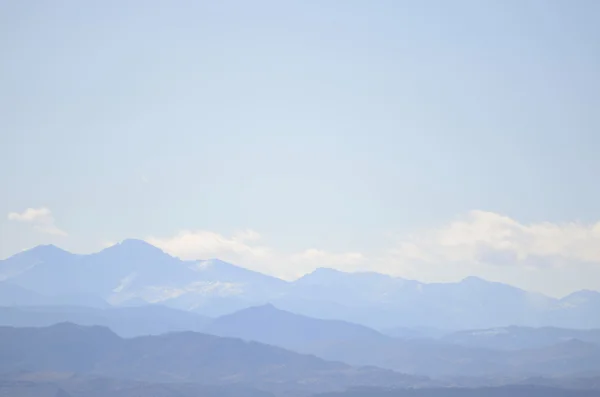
[68, 360]
[135, 272]
[541, 352]
[267, 324]
[125, 321]
[507, 352]
[515, 338]
[181, 357]
[15, 295]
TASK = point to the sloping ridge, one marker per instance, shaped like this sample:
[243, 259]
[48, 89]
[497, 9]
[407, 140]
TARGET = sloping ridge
[184, 356]
[267, 324]
[125, 321]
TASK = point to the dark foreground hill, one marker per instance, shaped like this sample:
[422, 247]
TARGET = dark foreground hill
[505, 391]
[74, 386]
[181, 357]
[77, 386]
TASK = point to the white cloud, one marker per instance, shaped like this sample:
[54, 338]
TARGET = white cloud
[549, 257]
[486, 237]
[205, 244]
[29, 215]
[41, 219]
[245, 248]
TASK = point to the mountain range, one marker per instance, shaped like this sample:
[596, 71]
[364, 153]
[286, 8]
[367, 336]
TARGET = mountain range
[184, 357]
[135, 273]
[68, 360]
[500, 353]
[124, 321]
[534, 352]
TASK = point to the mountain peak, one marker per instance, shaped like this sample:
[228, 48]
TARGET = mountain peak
[474, 280]
[135, 246]
[266, 307]
[581, 296]
[264, 312]
[330, 272]
[43, 250]
[263, 309]
[586, 293]
[215, 263]
[320, 275]
[135, 243]
[46, 247]
[326, 271]
[327, 275]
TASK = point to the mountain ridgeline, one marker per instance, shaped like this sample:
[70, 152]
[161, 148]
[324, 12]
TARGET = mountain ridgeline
[72, 360]
[500, 352]
[136, 273]
[132, 320]
[180, 357]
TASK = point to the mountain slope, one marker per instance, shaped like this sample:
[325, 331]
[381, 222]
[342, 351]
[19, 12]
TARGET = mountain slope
[383, 302]
[222, 288]
[114, 271]
[357, 345]
[267, 324]
[23, 261]
[182, 357]
[135, 271]
[580, 309]
[125, 321]
[514, 338]
[14, 295]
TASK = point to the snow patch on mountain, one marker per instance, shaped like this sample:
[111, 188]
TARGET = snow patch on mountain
[125, 282]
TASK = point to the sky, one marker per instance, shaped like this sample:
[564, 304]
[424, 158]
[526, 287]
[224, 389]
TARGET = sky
[424, 139]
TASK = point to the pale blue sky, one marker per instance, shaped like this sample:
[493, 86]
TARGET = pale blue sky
[336, 125]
